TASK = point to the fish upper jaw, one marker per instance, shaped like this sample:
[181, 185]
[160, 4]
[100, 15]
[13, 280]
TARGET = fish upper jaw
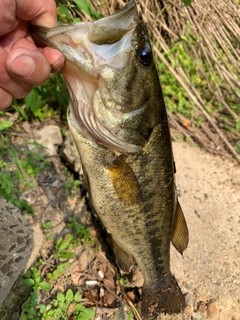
[92, 44]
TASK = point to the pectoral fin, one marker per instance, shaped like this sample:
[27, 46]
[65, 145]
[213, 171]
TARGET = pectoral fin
[180, 235]
[124, 181]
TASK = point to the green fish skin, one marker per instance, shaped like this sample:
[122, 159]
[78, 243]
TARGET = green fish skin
[119, 122]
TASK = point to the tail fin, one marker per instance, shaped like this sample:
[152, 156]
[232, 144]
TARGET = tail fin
[156, 300]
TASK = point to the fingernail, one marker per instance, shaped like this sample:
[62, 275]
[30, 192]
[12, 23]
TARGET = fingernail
[23, 66]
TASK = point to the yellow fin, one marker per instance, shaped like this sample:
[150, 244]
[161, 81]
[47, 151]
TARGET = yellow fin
[124, 181]
[180, 234]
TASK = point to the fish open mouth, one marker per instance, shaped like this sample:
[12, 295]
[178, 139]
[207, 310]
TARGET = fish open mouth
[88, 47]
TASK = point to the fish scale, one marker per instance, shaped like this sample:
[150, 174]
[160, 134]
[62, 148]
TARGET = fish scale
[119, 123]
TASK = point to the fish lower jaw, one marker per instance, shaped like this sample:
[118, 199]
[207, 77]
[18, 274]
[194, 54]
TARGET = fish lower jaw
[93, 130]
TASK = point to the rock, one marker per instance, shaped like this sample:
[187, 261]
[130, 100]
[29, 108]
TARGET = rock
[50, 137]
[202, 307]
[16, 246]
[70, 154]
[188, 310]
[85, 258]
[197, 316]
[212, 310]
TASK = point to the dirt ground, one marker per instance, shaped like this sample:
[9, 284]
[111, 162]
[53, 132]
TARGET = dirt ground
[209, 271]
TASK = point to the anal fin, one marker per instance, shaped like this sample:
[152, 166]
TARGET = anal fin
[123, 259]
[180, 234]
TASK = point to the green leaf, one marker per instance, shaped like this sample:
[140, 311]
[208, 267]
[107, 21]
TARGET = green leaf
[62, 267]
[87, 314]
[42, 308]
[31, 311]
[83, 5]
[187, 2]
[65, 255]
[65, 243]
[52, 312]
[59, 240]
[130, 315]
[29, 282]
[20, 110]
[62, 305]
[54, 275]
[77, 297]
[47, 224]
[79, 307]
[69, 295]
[18, 162]
[35, 100]
[45, 286]
[5, 124]
[86, 6]
[78, 182]
[28, 274]
[60, 297]
[63, 13]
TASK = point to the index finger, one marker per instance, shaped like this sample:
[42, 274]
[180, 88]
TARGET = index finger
[39, 12]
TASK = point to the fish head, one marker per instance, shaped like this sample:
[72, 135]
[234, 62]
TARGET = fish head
[112, 80]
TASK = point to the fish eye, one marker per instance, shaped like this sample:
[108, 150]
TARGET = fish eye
[144, 56]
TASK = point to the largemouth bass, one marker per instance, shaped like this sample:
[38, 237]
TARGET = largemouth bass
[119, 122]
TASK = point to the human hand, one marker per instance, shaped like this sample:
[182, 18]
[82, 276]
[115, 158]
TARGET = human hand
[22, 64]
